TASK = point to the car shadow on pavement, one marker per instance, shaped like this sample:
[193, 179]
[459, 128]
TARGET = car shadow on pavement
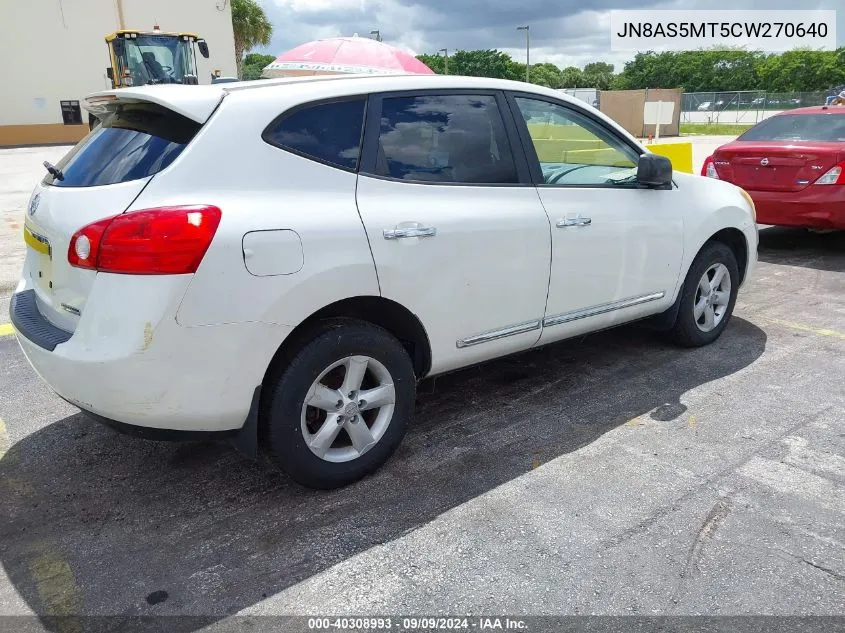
[97, 523]
[799, 247]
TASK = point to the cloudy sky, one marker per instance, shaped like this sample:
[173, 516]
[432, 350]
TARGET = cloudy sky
[563, 32]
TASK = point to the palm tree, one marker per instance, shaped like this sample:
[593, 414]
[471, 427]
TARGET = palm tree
[251, 28]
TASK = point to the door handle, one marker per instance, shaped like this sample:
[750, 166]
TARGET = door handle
[579, 221]
[422, 231]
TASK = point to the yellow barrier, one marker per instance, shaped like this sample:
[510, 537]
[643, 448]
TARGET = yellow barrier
[558, 131]
[606, 156]
[679, 153]
[557, 143]
[552, 150]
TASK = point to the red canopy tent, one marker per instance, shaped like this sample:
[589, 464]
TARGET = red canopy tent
[344, 55]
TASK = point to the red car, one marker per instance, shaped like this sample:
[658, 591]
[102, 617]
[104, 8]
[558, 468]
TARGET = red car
[792, 165]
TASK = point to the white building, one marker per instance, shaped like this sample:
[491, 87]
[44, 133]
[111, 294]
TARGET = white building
[54, 51]
[587, 95]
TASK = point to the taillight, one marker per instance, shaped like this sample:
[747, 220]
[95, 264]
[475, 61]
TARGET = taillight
[85, 244]
[709, 168]
[833, 176]
[161, 241]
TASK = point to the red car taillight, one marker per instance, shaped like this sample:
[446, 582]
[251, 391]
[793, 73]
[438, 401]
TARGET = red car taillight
[833, 176]
[161, 241]
[709, 168]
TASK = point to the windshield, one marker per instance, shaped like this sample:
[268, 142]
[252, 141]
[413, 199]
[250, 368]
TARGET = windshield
[798, 127]
[155, 59]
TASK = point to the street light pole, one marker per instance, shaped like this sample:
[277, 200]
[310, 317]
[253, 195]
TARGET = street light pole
[445, 60]
[527, 49]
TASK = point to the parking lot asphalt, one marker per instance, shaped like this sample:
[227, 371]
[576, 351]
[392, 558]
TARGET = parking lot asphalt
[614, 474]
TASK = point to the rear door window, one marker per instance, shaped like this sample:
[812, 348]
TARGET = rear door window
[326, 132]
[444, 139]
[136, 141]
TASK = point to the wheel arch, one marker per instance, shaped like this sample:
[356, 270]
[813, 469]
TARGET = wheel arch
[735, 240]
[730, 236]
[385, 313]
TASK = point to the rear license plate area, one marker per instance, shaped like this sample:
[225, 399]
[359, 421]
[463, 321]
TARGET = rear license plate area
[41, 270]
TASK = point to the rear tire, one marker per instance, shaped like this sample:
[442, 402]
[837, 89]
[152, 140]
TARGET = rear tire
[340, 407]
[707, 297]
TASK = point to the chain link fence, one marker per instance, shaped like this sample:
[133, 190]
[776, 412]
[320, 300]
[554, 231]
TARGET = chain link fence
[747, 107]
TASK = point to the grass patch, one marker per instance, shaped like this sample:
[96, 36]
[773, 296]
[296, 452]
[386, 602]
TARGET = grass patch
[715, 129]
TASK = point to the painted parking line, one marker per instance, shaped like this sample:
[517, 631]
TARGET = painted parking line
[4, 439]
[807, 328]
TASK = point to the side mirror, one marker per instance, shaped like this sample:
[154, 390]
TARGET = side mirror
[654, 171]
[203, 46]
[110, 73]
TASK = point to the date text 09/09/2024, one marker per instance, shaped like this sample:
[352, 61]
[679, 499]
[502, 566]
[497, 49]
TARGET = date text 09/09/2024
[417, 624]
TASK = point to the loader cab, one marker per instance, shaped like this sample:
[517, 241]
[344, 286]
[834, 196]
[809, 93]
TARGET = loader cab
[143, 58]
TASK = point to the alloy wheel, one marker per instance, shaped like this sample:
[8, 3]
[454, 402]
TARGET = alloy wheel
[348, 409]
[712, 297]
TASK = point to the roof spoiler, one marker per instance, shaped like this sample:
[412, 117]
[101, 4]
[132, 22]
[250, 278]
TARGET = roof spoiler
[193, 102]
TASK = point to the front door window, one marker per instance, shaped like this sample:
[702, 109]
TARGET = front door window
[575, 150]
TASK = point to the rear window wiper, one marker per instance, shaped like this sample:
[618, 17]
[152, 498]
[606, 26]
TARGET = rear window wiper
[54, 171]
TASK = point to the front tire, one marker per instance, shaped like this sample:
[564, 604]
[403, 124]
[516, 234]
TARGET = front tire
[340, 408]
[707, 296]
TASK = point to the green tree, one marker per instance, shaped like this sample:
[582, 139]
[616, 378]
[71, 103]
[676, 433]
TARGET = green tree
[571, 77]
[545, 74]
[598, 68]
[437, 63]
[598, 75]
[251, 28]
[725, 70]
[254, 63]
[802, 70]
[480, 63]
[484, 63]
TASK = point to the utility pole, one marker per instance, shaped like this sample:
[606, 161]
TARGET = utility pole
[377, 33]
[445, 60]
[527, 49]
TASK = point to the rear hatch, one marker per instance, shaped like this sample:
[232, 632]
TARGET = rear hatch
[100, 177]
[784, 153]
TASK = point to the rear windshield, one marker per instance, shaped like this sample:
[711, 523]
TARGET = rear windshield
[136, 141]
[798, 127]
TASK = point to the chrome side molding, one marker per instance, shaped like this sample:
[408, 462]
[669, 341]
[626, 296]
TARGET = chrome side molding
[492, 335]
[567, 317]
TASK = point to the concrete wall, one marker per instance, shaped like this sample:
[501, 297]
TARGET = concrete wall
[54, 50]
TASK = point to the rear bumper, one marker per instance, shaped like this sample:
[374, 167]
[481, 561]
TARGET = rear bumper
[817, 206]
[27, 320]
[130, 362]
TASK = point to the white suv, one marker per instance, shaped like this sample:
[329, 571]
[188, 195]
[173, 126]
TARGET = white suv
[284, 260]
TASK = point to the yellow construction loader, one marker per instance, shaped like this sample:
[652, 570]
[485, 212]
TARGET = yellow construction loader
[140, 58]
